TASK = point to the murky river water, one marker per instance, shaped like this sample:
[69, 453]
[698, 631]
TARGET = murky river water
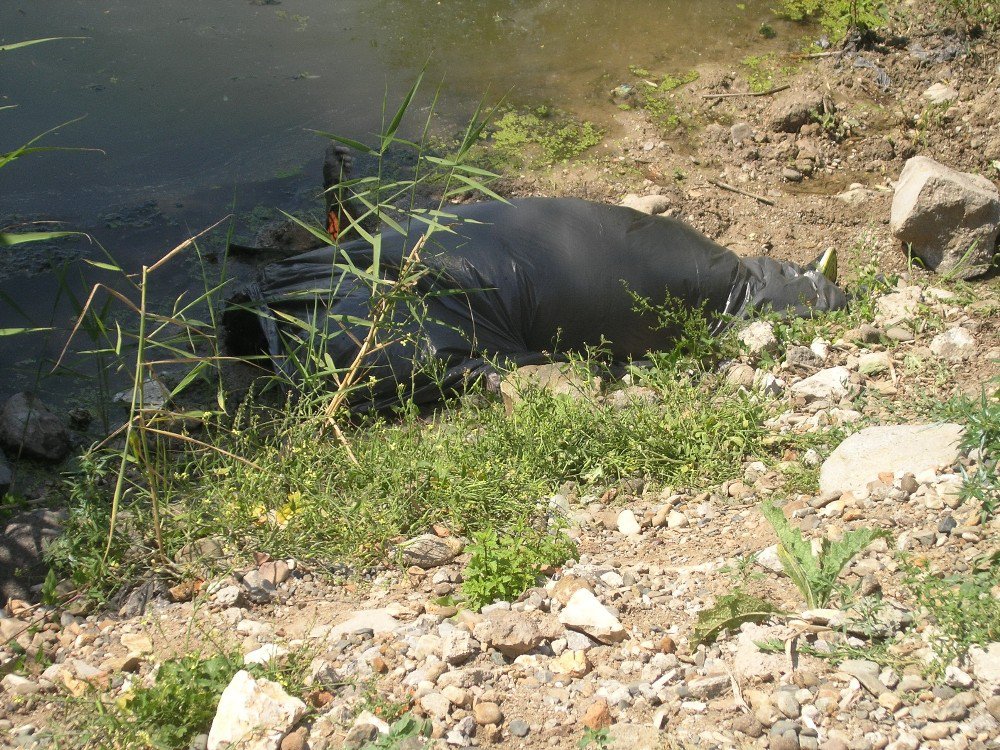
[199, 105]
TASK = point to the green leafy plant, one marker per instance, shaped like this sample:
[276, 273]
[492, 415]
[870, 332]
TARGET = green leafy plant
[699, 338]
[730, 611]
[815, 573]
[981, 418]
[962, 607]
[404, 728]
[838, 17]
[504, 566]
[600, 739]
[165, 715]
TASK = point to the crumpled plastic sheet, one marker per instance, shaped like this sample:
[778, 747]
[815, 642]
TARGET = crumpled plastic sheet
[510, 283]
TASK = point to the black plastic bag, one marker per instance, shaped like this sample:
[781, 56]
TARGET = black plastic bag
[513, 282]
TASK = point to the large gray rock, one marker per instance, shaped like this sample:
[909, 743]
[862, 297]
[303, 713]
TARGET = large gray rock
[253, 715]
[28, 427]
[23, 541]
[909, 448]
[949, 219]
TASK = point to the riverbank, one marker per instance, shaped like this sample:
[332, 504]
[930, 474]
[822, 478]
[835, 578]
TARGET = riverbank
[641, 499]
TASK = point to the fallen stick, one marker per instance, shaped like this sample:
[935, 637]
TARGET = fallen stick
[775, 90]
[734, 189]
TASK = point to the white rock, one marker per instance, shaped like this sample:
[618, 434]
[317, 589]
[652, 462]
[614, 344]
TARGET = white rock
[376, 620]
[265, 654]
[892, 448]
[985, 665]
[831, 384]
[647, 204]
[586, 614]
[758, 337]
[767, 558]
[940, 93]
[627, 523]
[457, 645]
[948, 219]
[954, 344]
[436, 705]
[253, 715]
[676, 520]
[17, 685]
[957, 678]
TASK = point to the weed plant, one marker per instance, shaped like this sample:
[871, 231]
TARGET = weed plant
[504, 566]
[963, 608]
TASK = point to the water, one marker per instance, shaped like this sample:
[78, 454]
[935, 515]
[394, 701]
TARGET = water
[199, 106]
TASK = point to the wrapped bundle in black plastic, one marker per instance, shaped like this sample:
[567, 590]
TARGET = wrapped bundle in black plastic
[512, 282]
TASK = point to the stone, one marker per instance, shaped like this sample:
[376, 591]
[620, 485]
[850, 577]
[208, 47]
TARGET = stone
[627, 523]
[519, 728]
[676, 520]
[874, 363]
[831, 384]
[429, 551]
[14, 684]
[559, 379]
[568, 585]
[636, 737]
[295, 740]
[866, 672]
[571, 663]
[375, 620]
[137, 643]
[253, 715]
[516, 633]
[957, 678]
[768, 559]
[993, 706]
[200, 551]
[29, 428]
[985, 665]
[265, 654]
[860, 459]
[802, 356]
[487, 713]
[740, 133]
[647, 204]
[436, 705]
[741, 375]
[759, 338]
[948, 219]
[785, 702]
[457, 645]
[750, 664]
[597, 716]
[793, 108]
[939, 93]
[938, 730]
[22, 551]
[152, 395]
[955, 344]
[586, 614]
